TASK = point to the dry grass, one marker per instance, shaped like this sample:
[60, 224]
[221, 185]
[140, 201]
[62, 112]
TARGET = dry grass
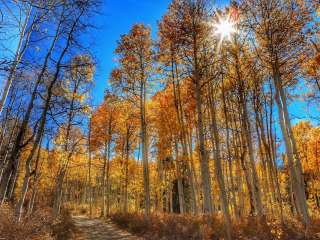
[160, 226]
[39, 226]
[35, 227]
[177, 227]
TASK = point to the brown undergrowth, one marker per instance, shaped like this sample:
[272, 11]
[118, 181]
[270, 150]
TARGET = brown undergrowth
[64, 228]
[41, 225]
[178, 227]
[35, 227]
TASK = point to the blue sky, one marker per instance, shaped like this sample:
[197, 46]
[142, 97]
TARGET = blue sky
[8, 31]
[117, 18]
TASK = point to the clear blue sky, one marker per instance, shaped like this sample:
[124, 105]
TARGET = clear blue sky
[117, 18]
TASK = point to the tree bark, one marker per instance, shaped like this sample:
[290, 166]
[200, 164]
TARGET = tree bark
[217, 165]
[294, 162]
[226, 118]
[144, 143]
[179, 179]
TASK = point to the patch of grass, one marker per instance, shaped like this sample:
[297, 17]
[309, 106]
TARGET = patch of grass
[35, 227]
[180, 227]
[41, 225]
[160, 226]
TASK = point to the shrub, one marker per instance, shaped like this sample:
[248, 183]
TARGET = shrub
[41, 225]
[180, 227]
[35, 227]
[161, 226]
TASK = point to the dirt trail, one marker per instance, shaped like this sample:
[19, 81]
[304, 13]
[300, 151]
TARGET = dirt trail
[96, 229]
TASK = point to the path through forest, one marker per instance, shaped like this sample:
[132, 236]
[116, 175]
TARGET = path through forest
[96, 229]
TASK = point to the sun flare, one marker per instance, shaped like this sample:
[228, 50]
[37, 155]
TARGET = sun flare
[224, 28]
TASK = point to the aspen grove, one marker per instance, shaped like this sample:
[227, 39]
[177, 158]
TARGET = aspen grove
[197, 136]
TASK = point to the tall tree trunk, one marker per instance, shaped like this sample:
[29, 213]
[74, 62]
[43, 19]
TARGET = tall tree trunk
[126, 171]
[89, 169]
[240, 152]
[28, 166]
[144, 143]
[217, 165]
[23, 39]
[36, 180]
[271, 168]
[5, 158]
[183, 132]
[204, 164]
[193, 170]
[226, 118]
[179, 179]
[105, 175]
[108, 179]
[58, 192]
[294, 162]
[14, 159]
[247, 133]
[103, 189]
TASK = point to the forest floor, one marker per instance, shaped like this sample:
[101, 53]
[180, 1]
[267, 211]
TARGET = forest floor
[97, 229]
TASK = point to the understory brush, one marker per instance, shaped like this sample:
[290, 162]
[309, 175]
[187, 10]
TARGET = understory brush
[182, 227]
[64, 228]
[36, 226]
[40, 225]
[83, 209]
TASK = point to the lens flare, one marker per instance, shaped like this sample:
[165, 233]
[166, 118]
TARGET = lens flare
[224, 28]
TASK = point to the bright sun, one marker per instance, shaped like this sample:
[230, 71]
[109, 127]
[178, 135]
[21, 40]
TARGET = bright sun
[225, 28]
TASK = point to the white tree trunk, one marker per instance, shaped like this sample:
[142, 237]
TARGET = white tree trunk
[17, 59]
